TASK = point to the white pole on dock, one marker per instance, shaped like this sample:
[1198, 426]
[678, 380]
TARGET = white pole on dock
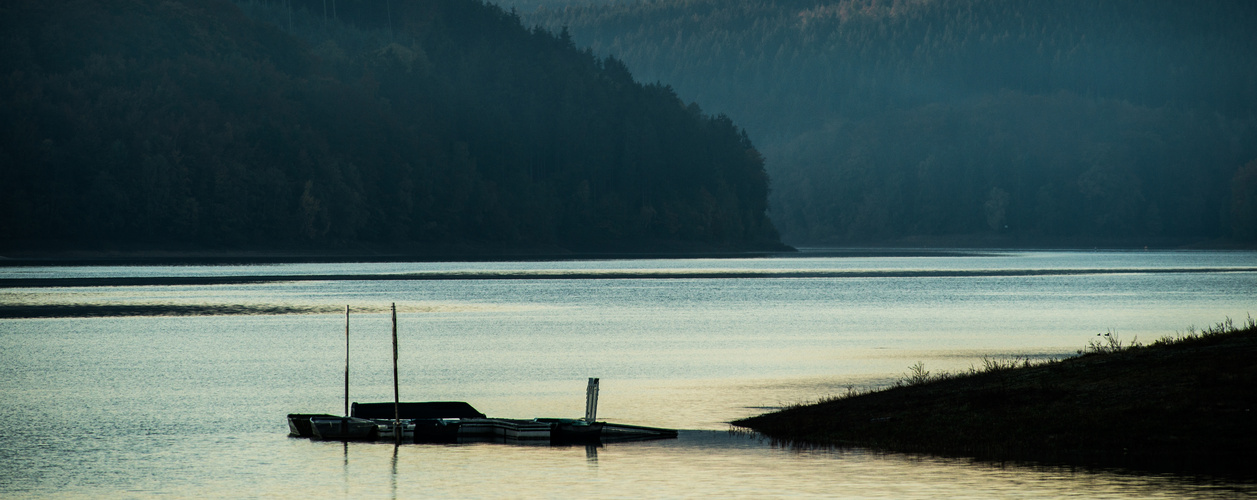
[346, 360]
[591, 400]
[397, 401]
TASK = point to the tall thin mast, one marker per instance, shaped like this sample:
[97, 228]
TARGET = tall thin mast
[397, 401]
[346, 360]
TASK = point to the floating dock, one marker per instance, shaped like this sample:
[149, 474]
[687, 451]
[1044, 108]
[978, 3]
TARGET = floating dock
[423, 426]
[456, 421]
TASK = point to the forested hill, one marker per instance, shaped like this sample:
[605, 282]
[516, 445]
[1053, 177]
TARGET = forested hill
[403, 126]
[999, 121]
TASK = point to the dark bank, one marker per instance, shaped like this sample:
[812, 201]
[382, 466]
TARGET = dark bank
[1182, 404]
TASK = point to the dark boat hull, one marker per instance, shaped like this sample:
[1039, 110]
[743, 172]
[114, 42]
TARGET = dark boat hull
[572, 431]
[299, 423]
[344, 429]
[612, 433]
[436, 431]
[412, 411]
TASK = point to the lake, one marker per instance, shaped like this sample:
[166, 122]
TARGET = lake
[191, 402]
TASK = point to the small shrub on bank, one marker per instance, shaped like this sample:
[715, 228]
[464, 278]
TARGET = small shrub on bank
[1109, 342]
[918, 375]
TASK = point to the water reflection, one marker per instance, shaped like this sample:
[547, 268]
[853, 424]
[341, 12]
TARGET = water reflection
[716, 464]
[162, 405]
[345, 470]
[393, 477]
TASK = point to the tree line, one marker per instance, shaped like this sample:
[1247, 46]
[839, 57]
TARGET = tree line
[350, 124]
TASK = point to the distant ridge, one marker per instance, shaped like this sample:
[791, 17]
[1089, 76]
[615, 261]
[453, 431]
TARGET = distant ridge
[1021, 123]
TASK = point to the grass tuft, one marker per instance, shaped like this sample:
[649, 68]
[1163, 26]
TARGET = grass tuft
[1225, 327]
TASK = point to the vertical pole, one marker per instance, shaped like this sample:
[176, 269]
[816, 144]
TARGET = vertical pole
[591, 400]
[346, 361]
[397, 419]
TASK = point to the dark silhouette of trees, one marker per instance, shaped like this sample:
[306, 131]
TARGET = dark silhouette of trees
[435, 124]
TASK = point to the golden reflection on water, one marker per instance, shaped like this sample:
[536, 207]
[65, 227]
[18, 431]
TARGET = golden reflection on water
[696, 465]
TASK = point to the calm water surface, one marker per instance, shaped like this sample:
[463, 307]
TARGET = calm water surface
[195, 405]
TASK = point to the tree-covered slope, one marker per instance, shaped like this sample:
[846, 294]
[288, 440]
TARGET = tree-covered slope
[1008, 121]
[266, 125]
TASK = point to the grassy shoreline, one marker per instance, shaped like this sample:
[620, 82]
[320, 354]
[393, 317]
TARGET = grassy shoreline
[1182, 404]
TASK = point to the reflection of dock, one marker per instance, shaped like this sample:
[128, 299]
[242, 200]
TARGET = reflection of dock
[458, 422]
